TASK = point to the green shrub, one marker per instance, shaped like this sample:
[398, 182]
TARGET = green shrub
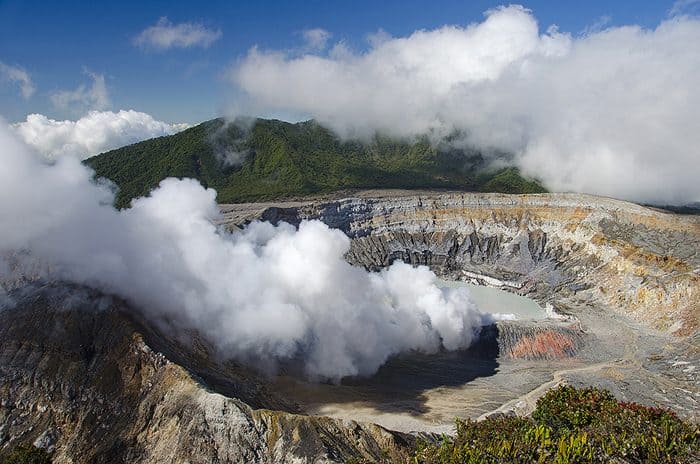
[570, 408]
[571, 425]
[28, 454]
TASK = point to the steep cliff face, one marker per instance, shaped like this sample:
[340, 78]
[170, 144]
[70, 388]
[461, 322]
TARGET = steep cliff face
[80, 375]
[538, 340]
[568, 250]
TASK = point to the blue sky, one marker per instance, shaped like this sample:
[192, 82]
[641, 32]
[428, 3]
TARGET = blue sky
[58, 43]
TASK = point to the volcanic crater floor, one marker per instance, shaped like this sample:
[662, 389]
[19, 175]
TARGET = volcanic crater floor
[425, 393]
[415, 392]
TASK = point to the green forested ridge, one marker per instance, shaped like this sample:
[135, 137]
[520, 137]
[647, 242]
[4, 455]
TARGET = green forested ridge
[282, 159]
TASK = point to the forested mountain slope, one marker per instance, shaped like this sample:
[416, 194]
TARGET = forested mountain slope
[266, 159]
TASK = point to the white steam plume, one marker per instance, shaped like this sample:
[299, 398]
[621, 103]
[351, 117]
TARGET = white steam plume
[612, 112]
[267, 293]
[94, 133]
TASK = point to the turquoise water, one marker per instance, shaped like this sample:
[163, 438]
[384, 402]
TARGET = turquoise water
[494, 300]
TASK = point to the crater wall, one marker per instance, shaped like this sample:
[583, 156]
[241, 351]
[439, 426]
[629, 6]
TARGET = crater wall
[570, 251]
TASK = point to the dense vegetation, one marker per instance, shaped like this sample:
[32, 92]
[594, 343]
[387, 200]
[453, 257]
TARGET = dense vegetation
[571, 425]
[277, 159]
[27, 454]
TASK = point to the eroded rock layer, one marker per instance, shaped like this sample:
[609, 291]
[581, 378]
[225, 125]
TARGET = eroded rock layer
[538, 340]
[81, 376]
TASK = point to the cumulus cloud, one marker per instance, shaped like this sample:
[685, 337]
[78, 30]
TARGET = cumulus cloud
[94, 133]
[165, 35]
[93, 97]
[17, 75]
[316, 39]
[612, 111]
[265, 294]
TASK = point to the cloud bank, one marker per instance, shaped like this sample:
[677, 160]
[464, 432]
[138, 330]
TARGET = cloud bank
[612, 111]
[94, 133]
[17, 75]
[265, 294]
[165, 35]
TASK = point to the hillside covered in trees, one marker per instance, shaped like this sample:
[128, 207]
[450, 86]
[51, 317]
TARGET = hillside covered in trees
[266, 159]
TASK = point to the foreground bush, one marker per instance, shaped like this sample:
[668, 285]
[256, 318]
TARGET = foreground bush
[572, 425]
[27, 454]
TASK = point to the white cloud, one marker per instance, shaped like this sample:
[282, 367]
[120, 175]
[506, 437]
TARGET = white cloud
[316, 39]
[17, 75]
[165, 35]
[400, 83]
[265, 294]
[94, 133]
[377, 38]
[597, 26]
[611, 112]
[684, 7]
[94, 97]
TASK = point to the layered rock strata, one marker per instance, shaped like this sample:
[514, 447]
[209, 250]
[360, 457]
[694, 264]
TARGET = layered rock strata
[567, 250]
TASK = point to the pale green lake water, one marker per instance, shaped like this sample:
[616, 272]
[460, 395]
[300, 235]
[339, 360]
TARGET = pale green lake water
[494, 300]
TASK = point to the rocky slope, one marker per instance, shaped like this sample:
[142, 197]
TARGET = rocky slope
[80, 375]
